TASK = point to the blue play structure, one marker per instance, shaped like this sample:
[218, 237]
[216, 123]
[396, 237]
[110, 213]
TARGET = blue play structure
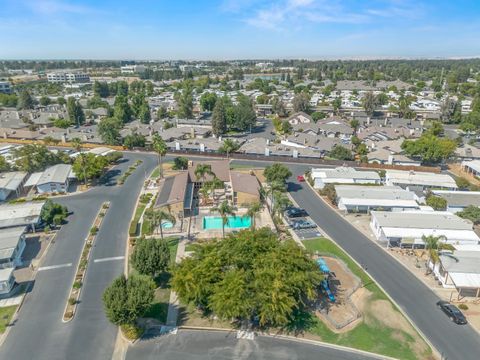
[322, 265]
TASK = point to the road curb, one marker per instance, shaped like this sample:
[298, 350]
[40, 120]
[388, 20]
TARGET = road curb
[434, 349]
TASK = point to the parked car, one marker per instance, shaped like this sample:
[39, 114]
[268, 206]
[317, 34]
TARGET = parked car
[303, 224]
[300, 178]
[294, 212]
[452, 312]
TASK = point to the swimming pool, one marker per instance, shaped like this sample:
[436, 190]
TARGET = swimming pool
[167, 225]
[234, 222]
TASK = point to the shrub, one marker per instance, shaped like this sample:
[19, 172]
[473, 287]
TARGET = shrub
[77, 285]
[105, 206]
[94, 230]
[463, 306]
[72, 301]
[132, 332]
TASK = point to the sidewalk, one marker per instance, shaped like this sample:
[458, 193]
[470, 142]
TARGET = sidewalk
[174, 303]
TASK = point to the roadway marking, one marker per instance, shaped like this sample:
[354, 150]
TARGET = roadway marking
[109, 259]
[54, 267]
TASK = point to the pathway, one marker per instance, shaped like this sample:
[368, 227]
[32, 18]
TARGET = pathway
[174, 303]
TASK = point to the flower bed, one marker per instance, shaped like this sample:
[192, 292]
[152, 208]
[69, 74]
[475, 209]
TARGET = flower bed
[78, 280]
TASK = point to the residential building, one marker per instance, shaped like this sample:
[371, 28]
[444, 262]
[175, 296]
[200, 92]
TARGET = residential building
[471, 167]
[300, 118]
[11, 184]
[55, 179]
[343, 175]
[21, 214]
[459, 200]
[358, 198]
[7, 281]
[459, 270]
[132, 69]
[245, 188]
[72, 77]
[12, 244]
[406, 229]
[419, 181]
[5, 87]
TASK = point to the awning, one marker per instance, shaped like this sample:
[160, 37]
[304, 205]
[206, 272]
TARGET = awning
[465, 280]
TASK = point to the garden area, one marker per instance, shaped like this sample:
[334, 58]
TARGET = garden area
[382, 329]
[6, 314]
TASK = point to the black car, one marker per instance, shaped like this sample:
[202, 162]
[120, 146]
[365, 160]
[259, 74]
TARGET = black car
[452, 312]
[295, 213]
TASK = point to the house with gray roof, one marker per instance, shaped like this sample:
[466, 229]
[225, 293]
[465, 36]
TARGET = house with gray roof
[12, 244]
[55, 179]
[11, 184]
[459, 200]
[343, 175]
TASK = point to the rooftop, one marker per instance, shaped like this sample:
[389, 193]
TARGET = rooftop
[460, 198]
[56, 173]
[420, 178]
[245, 183]
[20, 214]
[12, 180]
[344, 172]
[374, 192]
[9, 240]
[421, 220]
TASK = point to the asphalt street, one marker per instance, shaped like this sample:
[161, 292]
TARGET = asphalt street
[219, 345]
[416, 299]
[39, 332]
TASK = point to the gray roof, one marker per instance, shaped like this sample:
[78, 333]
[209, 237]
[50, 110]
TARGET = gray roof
[373, 192]
[421, 220]
[55, 174]
[12, 180]
[461, 261]
[460, 198]
[20, 214]
[9, 240]
[343, 172]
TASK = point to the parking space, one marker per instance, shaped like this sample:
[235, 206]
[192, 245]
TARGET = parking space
[305, 234]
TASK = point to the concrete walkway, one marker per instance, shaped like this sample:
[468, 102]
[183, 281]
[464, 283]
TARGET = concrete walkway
[174, 303]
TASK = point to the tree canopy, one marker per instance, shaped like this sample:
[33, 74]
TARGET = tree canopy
[109, 131]
[89, 166]
[32, 158]
[249, 276]
[340, 152]
[151, 256]
[471, 213]
[277, 173]
[53, 213]
[430, 148]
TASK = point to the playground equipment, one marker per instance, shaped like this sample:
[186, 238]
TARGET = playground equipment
[322, 265]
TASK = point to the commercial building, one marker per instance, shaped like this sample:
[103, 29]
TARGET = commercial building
[343, 175]
[132, 69]
[5, 87]
[11, 184]
[358, 198]
[61, 77]
[406, 229]
[459, 200]
[419, 181]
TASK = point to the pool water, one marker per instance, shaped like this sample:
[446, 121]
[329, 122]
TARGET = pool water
[167, 225]
[234, 222]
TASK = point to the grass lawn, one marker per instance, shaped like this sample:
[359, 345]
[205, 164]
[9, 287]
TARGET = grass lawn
[6, 314]
[138, 213]
[371, 334]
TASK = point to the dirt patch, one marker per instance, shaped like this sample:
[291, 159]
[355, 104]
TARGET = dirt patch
[383, 312]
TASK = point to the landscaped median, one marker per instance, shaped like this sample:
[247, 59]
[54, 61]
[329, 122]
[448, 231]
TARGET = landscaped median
[76, 289]
[121, 180]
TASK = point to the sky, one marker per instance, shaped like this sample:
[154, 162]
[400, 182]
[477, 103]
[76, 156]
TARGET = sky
[238, 29]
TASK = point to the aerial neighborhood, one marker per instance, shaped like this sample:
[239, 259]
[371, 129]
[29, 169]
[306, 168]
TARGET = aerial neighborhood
[313, 199]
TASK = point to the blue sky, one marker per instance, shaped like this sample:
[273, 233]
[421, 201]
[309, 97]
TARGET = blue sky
[238, 29]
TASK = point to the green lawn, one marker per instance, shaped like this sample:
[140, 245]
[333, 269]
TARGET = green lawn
[6, 314]
[138, 213]
[370, 335]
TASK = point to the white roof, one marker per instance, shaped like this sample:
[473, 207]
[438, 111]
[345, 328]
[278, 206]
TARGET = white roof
[20, 214]
[12, 180]
[373, 192]
[344, 172]
[33, 179]
[9, 238]
[6, 274]
[379, 202]
[55, 174]
[101, 151]
[465, 280]
[452, 236]
[473, 164]
[420, 178]
[443, 220]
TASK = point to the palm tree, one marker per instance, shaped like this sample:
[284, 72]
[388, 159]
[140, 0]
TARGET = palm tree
[160, 147]
[253, 210]
[433, 244]
[202, 170]
[204, 191]
[157, 217]
[224, 210]
[77, 145]
[281, 203]
[229, 146]
[274, 187]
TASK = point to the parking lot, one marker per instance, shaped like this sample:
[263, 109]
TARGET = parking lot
[305, 234]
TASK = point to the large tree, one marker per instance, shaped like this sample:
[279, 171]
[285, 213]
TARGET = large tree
[430, 148]
[89, 166]
[53, 213]
[75, 112]
[185, 101]
[277, 172]
[109, 131]
[340, 152]
[219, 118]
[245, 116]
[25, 100]
[301, 102]
[250, 276]
[125, 300]
[208, 101]
[121, 109]
[229, 146]
[151, 256]
[369, 103]
[160, 147]
[32, 158]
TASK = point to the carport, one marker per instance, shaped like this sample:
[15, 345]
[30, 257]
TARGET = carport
[467, 284]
